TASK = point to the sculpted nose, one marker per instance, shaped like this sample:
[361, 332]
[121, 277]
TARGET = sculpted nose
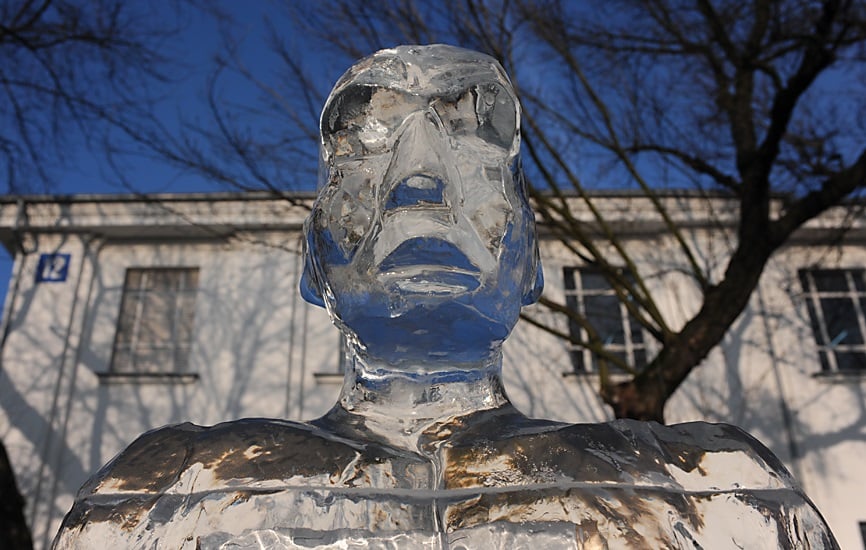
[418, 173]
[416, 190]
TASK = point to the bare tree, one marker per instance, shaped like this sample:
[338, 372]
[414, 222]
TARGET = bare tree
[70, 71]
[756, 101]
[728, 94]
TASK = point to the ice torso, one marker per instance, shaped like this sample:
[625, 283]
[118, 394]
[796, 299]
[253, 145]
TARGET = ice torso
[502, 481]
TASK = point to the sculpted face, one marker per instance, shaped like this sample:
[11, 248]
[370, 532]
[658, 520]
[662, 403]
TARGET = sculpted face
[421, 242]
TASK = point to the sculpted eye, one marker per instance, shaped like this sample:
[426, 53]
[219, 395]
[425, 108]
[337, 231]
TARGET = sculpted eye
[497, 115]
[361, 120]
[458, 113]
[486, 111]
[346, 110]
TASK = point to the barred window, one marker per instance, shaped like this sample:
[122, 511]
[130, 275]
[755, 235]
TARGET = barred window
[154, 331]
[836, 299]
[589, 294]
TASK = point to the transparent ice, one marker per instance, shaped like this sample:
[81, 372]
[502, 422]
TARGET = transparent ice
[422, 248]
[422, 243]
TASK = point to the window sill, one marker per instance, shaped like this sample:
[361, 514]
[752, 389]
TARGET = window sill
[840, 377]
[578, 374]
[111, 378]
[616, 377]
[328, 377]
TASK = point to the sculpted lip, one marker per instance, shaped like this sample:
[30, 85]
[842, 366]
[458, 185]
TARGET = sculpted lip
[430, 252]
[429, 265]
[422, 279]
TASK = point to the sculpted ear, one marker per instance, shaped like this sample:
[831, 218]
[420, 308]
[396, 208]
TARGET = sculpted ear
[311, 289]
[534, 281]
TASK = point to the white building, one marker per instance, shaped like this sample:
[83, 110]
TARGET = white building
[128, 313]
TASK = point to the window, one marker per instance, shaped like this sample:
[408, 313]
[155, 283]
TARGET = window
[341, 365]
[588, 293]
[154, 330]
[836, 299]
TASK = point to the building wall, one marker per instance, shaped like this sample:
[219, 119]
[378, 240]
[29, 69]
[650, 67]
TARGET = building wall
[765, 376]
[256, 349]
[259, 350]
[824, 440]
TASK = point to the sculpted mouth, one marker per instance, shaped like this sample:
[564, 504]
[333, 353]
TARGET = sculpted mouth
[432, 240]
[431, 265]
[429, 252]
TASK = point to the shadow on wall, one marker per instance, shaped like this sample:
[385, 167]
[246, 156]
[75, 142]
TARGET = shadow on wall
[243, 323]
[245, 310]
[37, 364]
[765, 385]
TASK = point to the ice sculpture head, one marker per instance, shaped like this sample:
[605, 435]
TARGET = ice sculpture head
[422, 244]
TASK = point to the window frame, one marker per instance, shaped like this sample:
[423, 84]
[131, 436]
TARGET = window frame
[182, 294]
[862, 525]
[336, 376]
[636, 351]
[828, 348]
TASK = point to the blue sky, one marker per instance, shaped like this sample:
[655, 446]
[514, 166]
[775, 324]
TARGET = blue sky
[88, 172]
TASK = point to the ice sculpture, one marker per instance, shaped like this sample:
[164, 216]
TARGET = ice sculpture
[422, 247]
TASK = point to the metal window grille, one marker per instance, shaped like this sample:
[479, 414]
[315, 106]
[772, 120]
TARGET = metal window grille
[154, 330]
[589, 294]
[836, 300]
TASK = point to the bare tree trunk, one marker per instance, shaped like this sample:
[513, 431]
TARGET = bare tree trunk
[644, 396]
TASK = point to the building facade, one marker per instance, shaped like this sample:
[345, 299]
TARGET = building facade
[128, 313]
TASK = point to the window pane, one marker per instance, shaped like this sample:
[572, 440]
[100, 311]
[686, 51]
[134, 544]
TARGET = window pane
[126, 323]
[859, 282]
[636, 332]
[568, 277]
[830, 280]
[823, 356]
[190, 278]
[804, 275]
[834, 298]
[181, 359]
[595, 299]
[154, 360]
[184, 319]
[816, 325]
[156, 323]
[840, 318]
[133, 278]
[573, 326]
[850, 360]
[640, 357]
[121, 361]
[577, 360]
[156, 320]
[164, 279]
[603, 313]
[612, 367]
[594, 280]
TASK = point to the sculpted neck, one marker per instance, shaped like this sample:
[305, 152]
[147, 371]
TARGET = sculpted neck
[400, 402]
